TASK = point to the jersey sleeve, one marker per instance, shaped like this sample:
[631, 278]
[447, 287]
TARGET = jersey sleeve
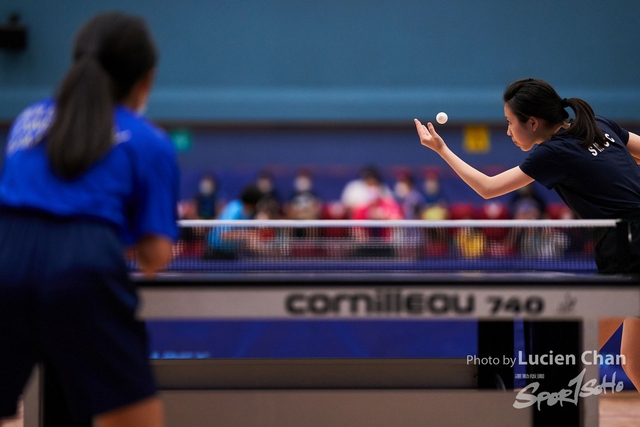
[156, 194]
[545, 165]
[622, 133]
[30, 126]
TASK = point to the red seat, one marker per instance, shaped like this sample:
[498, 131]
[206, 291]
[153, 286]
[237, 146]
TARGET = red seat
[462, 211]
[334, 210]
[495, 211]
[559, 211]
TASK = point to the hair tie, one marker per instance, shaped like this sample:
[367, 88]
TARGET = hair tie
[564, 103]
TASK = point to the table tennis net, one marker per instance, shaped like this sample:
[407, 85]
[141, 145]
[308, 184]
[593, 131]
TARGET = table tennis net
[325, 245]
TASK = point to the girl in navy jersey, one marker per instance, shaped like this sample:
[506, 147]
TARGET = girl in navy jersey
[591, 162]
[84, 176]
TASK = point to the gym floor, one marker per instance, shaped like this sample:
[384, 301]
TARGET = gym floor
[617, 410]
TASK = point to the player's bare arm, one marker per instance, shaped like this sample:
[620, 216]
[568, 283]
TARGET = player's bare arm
[154, 254]
[634, 146]
[486, 186]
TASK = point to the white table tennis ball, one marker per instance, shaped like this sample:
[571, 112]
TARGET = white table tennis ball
[442, 118]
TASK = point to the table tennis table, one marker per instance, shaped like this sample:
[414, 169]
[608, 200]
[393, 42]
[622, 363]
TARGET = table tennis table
[254, 342]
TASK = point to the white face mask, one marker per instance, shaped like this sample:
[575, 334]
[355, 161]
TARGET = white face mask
[264, 185]
[431, 186]
[207, 187]
[401, 189]
[302, 184]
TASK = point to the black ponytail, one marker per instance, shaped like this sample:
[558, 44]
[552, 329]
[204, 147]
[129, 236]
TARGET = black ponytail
[82, 131]
[537, 98]
[584, 125]
[112, 51]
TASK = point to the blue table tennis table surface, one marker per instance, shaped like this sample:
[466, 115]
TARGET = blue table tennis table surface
[568, 264]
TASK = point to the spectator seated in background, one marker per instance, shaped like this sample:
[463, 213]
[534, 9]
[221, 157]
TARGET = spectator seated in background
[411, 202]
[409, 198]
[379, 205]
[243, 207]
[190, 242]
[264, 183]
[207, 202]
[469, 242]
[370, 198]
[266, 209]
[528, 192]
[579, 242]
[226, 242]
[537, 242]
[436, 206]
[498, 242]
[334, 210]
[204, 205]
[527, 208]
[304, 203]
[357, 193]
[436, 212]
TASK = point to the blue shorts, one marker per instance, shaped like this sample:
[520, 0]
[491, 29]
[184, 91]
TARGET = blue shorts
[66, 298]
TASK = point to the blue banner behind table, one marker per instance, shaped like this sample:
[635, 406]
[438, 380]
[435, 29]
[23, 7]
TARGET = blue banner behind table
[202, 339]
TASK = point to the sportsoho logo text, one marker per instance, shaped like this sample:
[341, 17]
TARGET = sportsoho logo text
[381, 301]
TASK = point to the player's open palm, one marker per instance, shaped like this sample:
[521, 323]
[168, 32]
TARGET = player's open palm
[428, 136]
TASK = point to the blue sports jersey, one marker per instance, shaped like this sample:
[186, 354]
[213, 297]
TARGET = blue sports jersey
[135, 186]
[594, 183]
[232, 211]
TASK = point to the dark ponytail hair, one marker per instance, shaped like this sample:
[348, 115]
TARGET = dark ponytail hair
[537, 98]
[112, 51]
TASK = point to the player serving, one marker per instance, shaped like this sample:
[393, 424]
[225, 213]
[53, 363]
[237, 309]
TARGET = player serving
[590, 161]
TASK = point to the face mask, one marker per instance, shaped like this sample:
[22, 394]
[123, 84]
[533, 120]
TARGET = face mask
[401, 189]
[264, 185]
[302, 184]
[207, 187]
[431, 186]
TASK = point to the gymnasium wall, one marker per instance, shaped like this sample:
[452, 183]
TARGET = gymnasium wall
[348, 60]
[334, 84]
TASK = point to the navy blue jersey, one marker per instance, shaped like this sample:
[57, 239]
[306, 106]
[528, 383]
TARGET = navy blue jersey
[594, 183]
[135, 186]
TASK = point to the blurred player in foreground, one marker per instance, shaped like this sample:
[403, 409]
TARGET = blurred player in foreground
[84, 176]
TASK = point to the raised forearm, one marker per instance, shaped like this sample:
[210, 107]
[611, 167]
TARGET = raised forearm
[485, 186]
[477, 180]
